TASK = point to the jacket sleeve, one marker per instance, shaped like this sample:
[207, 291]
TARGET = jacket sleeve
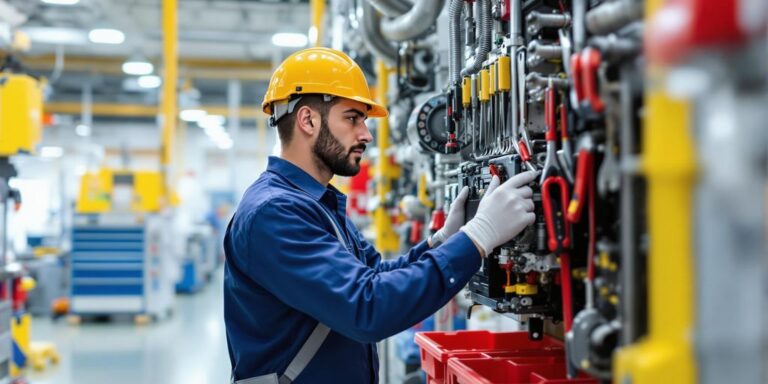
[292, 254]
[374, 260]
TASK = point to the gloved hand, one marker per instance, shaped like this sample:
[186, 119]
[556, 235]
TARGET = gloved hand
[453, 221]
[503, 212]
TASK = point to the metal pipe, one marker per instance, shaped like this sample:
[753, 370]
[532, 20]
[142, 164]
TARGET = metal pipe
[538, 80]
[317, 9]
[374, 41]
[170, 78]
[610, 17]
[579, 10]
[414, 23]
[484, 46]
[537, 21]
[516, 22]
[390, 8]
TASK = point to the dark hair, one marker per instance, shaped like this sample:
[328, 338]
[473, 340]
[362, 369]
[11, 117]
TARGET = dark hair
[313, 101]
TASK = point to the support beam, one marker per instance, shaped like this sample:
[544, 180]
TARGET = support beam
[142, 110]
[168, 101]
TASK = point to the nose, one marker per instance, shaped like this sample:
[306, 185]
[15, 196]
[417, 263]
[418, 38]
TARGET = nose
[365, 136]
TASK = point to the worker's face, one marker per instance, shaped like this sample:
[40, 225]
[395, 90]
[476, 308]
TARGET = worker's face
[343, 137]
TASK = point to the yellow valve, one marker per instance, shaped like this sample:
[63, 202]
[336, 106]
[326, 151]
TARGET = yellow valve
[28, 283]
[509, 289]
[466, 92]
[505, 72]
[484, 84]
[524, 289]
[493, 78]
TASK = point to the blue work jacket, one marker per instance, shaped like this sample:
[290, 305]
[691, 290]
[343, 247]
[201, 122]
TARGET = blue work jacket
[286, 270]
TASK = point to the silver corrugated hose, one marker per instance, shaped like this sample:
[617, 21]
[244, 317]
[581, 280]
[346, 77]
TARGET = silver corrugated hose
[484, 46]
[413, 23]
[373, 38]
[456, 45]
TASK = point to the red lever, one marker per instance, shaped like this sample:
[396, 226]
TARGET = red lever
[558, 232]
[590, 61]
[576, 71]
[584, 173]
[549, 114]
[524, 154]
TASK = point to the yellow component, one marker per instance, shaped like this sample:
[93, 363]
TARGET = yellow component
[387, 240]
[466, 92]
[492, 81]
[324, 71]
[579, 273]
[168, 103]
[613, 299]
[316, 30]
[504, 73]
[43, 250]
[604, 291]
[524, 289]
[666, 355]
[509, 289]
[21, 42]
[484, 85]
[39, 352]
[423, 193]
[604, 260]
[96, 191]
[21, 114]
[28, 283]
[20, 334]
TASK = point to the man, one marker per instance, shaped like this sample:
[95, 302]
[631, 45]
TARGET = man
[306, 296]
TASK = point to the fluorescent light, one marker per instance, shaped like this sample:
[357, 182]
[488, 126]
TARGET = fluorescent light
[83, 130]
[61, 2]
[138, 67]
[214, 131]
[225, 144]
[55, 35]
[150, 81]
[192, 114]
[211, 120]
[106, 36]
[289, 39]
[312, 35]
[51, 152]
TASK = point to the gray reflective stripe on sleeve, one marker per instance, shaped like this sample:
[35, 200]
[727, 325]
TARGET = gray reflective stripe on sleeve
[306, 353]
[335, 228]
[264, 379]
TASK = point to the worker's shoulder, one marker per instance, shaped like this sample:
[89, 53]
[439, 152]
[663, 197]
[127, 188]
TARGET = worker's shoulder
[270, 195]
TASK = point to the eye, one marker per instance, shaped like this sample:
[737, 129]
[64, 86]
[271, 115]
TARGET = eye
[352, 119]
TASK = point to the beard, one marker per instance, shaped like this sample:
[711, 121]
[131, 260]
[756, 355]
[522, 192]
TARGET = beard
[329, 152]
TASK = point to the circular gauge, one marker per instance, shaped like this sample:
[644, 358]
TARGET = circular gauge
[426, 124]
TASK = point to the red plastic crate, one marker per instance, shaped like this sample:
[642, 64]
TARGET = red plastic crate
[517, 370]
[437, 347]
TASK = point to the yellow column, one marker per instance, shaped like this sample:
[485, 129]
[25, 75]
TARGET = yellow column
[168, 104]
[318, 10]
[665, 354]
[387, 239]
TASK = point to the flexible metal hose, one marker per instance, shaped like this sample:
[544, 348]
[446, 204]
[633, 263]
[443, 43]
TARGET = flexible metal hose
[484, 46]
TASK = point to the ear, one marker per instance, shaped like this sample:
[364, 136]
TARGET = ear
[304, 121]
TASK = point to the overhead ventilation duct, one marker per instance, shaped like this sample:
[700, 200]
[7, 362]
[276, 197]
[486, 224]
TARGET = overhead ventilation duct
[374, 41]
[414, 23]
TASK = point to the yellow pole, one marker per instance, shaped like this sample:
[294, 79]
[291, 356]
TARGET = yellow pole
[318, 10]
[665, 354]
[168, 101]
[387, 239]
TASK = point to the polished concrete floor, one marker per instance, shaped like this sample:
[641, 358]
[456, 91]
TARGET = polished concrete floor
[189, 347]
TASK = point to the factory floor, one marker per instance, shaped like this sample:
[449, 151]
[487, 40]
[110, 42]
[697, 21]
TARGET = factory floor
[189, 347]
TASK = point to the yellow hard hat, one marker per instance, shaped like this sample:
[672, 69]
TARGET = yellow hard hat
[320, 71]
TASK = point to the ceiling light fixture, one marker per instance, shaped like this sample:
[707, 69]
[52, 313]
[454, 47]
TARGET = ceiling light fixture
[51, 152]
[192, 114]
[83, 130]
[56, 35]
[149, 81]
[61, 2]
[106, 36]
[138, 65]
[294, 40]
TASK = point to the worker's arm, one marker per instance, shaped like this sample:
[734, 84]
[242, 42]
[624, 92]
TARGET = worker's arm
[292, 254]
[374, 260]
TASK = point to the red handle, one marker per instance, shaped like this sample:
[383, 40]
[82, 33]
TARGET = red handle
[563, 122]
[549, 114]
[558, 232]
[524, 154]
[590, 60]
[576, 71]
[583, 178]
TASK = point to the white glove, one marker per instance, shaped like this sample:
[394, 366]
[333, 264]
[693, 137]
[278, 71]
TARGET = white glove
[454, 220]
[503, 212]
